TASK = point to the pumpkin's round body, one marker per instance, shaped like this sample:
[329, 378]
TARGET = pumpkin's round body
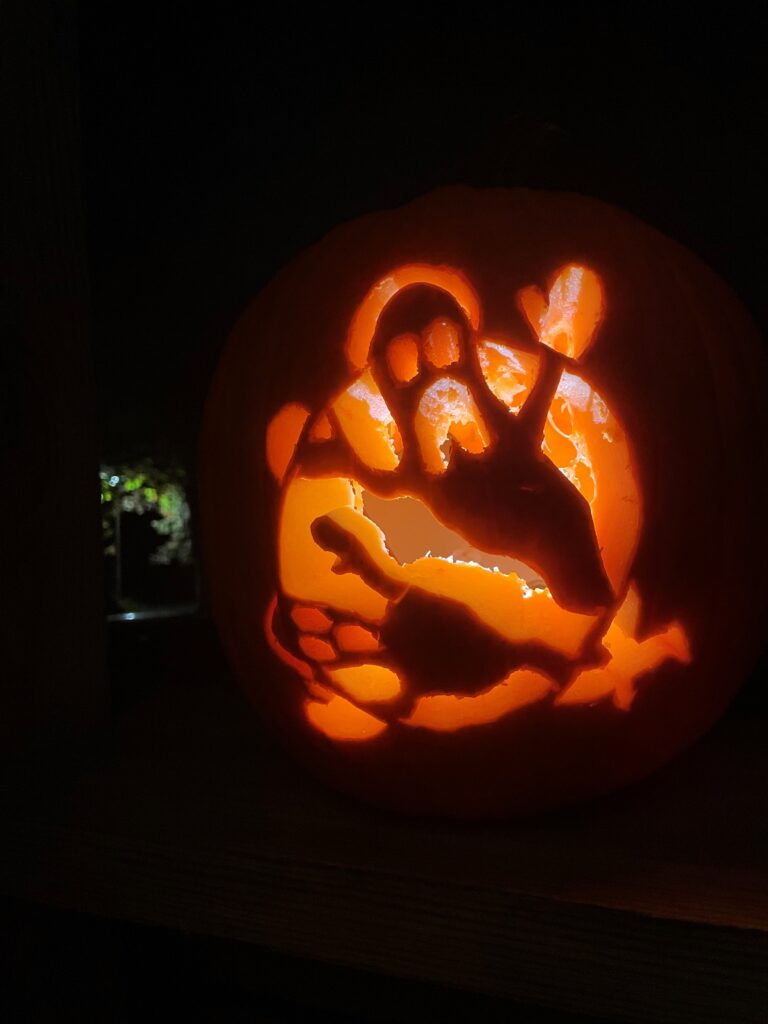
[481, 492]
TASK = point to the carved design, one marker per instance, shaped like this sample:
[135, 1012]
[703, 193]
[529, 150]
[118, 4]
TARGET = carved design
[458, 524]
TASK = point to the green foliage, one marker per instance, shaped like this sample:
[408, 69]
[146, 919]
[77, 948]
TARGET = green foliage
[143, 488]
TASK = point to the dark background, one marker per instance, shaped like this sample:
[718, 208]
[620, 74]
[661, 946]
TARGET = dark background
[214, 146]
[217, 146]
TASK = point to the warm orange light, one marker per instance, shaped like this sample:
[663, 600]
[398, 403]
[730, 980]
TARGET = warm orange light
[533, 303]
[283, 435]
[304, 670]
[368, 682]
[447, 713]
[588, 445]
[338, 719]
[585, 441]
[403, 357]
[509, 373]
[355, 639]
[306, 570]
[567, 321]
[321, 429]
[503, 601]
[363, 326]
[311, 620]
[629, 659]
[447, 411]
[352, 552]
[441, 343]
[367, 423]
[317, 649]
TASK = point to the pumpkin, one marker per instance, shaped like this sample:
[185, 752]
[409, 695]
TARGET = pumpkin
[479, 500]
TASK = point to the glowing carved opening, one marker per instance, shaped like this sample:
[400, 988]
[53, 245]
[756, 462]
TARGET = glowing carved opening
[509, 374]
[321, 429]
[567, 322]
[629, 659]
[317, 649]
[395, 546]
[589, 447]
[503, 602]
[363, 326]
[447, 713]
[367, 423]
[447, 411]
[305, 569]
[340, 720]
[283, 435]
[403, 357]
[367, 682]
[304, 670]
[441, 343]
[567, 447]
[311, 620]
[412, 531]
[352, 638]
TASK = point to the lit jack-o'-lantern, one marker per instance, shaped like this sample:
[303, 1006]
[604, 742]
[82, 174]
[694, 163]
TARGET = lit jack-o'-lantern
[461, 590]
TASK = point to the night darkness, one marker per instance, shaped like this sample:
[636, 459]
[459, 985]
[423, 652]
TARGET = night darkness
[215, 147]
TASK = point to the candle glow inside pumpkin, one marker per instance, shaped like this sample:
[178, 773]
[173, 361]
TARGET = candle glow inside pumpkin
[434, 492]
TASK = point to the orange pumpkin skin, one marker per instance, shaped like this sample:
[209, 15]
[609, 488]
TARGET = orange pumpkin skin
[454, 719]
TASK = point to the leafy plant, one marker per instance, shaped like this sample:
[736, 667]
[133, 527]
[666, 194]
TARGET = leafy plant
[142, 488]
